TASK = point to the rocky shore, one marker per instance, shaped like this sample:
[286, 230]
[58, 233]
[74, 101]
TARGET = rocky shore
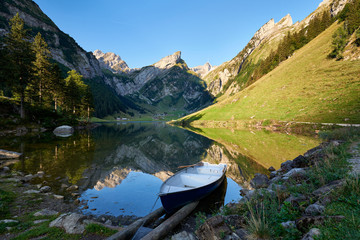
[291, 202]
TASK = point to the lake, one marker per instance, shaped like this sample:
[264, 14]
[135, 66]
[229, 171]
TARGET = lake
[119, 167]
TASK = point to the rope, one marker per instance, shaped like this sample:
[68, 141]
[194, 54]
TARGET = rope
[149, 213]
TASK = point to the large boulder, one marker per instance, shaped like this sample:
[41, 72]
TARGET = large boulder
[64, 131]
[259, 181]
[71, 222]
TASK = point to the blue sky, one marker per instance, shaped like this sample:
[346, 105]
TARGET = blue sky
[144, 31]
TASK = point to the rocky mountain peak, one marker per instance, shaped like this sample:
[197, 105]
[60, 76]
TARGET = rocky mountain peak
[202, 70]
[285, 22]
[169, 61]
[111, 61]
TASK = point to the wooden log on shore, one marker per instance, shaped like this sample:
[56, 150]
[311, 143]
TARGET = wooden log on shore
[130, 230]
[163, 229]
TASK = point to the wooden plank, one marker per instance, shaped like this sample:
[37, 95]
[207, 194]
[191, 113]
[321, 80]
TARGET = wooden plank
[130, 230]
[163, 229]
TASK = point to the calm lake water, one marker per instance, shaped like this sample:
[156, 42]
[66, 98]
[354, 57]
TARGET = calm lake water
[119, 167]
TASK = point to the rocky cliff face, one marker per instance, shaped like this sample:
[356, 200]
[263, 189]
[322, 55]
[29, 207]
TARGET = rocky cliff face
[220, 76]
[203, 69]
[112, 62]
[63, 48]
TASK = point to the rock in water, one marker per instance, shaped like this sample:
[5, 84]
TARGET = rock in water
[64, 131]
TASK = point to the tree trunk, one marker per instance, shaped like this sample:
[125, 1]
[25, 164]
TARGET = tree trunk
[22, 110]
[130, 230]
[163, 229]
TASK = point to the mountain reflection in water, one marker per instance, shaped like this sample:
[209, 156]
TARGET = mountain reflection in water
[119, 167]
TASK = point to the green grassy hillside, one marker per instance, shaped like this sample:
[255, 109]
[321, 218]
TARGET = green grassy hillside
[306, 87]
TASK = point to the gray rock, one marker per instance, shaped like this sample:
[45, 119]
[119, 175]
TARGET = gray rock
[184, 235]
[32, 191]
[72, 188]
[6, 169]
[45, 189]
[244, 191]
[45, 212]
[288, 224]
[314, 209]
[260, 181]
[311, 234]
[296, 201]
[8, 221]
[108, 222]
[287, 166]
[328, 188]
[4, 154]
[304, 222]
[242, 233]
[15, 180]
[275, 179]
[271, 169]
[295, 173]
[40, 221]
[300, 162]
[63, 131]
[63, 185]
[60, 197]
[71, 222]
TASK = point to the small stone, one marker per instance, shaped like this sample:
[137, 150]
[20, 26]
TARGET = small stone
[40, 173]
[77, 201]
[45, 212]
[304, 222]
[39, 185]
[288, 224]
[235, 220]
[63, 185]
[295, 173]
[244, 191]
[287, 166]
[72, 223]
[32, 191]
[271, 169]
[108, 222]
[311, 234]
[45, 189]
[6, 169]
[335, 143]
[213, 228]
[72, 188]
[8, 221]
[296, 201]
[60, 197]
[184, 235]
[314, 209]
[75, 194]
[40, 221]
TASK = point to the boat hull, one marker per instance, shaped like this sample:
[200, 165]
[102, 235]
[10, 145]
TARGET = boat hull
[173, 201]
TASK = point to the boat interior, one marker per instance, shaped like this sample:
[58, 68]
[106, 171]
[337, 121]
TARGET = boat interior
[193, 177]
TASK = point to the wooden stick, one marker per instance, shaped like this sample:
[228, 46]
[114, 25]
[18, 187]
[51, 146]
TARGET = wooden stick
[163, 229]
[130, 230]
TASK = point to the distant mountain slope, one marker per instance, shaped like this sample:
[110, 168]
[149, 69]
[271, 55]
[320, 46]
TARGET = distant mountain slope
[306, 87]
[166, 86]
[112, 62]
[269, 32]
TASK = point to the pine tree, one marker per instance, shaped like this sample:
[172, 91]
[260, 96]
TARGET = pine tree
[75, 90]
[42, 66]
[56, 87]
[20, 56]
